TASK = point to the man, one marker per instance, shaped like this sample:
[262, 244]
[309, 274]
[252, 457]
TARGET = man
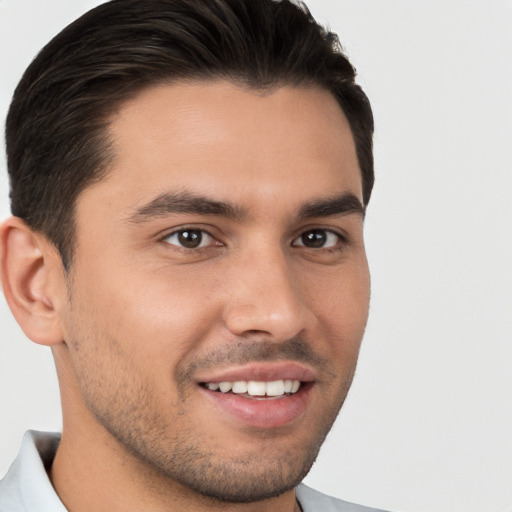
[189, 180]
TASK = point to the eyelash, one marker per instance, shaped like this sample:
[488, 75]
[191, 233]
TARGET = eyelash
[341, 239]
[182, 231]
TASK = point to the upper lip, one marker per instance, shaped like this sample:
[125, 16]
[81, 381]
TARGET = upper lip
[264, 371]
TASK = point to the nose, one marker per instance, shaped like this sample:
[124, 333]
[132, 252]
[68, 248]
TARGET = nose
[265, 298]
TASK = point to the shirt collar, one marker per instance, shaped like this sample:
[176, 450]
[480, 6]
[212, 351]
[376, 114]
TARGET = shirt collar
[27, 485]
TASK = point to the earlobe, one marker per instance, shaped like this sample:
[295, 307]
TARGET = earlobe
[32, 281]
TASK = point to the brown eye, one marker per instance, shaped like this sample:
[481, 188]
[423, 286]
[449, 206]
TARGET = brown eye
[190, 238]
[317, 239]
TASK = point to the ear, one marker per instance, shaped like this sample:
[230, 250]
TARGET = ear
[33, 281]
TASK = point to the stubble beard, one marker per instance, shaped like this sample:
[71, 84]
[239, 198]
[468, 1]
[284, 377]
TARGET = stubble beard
[184, 459]
[179, 455]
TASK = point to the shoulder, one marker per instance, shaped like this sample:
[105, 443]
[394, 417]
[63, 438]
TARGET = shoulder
[314, 501]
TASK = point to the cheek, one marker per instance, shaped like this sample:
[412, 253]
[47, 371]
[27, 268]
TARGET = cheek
[157, 316]
[341, 307]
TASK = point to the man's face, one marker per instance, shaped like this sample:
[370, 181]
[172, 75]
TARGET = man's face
[224, 249]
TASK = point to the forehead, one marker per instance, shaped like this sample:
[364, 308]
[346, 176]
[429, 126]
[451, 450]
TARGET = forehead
[216, 138]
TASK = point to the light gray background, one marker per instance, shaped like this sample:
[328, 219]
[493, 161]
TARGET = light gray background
[428, 423]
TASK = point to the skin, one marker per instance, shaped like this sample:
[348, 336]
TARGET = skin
[140, 321]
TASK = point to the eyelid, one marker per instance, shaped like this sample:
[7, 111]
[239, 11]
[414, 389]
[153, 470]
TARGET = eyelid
[181, 229]
[341, 238]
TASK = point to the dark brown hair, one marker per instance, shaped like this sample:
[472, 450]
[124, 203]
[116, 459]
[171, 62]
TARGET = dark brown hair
[56, 130]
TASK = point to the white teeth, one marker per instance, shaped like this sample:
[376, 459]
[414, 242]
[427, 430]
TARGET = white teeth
[256, 388]
[240, 386]
[225, 386]
[275, 388]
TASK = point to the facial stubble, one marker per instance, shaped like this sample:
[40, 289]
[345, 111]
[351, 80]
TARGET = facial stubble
[126, 405]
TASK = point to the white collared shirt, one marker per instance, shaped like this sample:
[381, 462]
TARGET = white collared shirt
[26, 487]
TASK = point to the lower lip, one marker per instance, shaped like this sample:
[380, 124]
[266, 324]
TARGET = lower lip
[262, 413]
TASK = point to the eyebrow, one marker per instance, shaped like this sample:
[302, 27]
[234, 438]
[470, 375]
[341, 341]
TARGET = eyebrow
[344, 204]
[190, 203]
[185, 202]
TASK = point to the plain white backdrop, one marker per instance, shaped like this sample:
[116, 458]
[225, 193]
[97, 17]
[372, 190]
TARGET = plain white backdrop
[428, 423]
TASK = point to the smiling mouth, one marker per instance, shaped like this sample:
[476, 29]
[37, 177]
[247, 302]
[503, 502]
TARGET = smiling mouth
[256, 389]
